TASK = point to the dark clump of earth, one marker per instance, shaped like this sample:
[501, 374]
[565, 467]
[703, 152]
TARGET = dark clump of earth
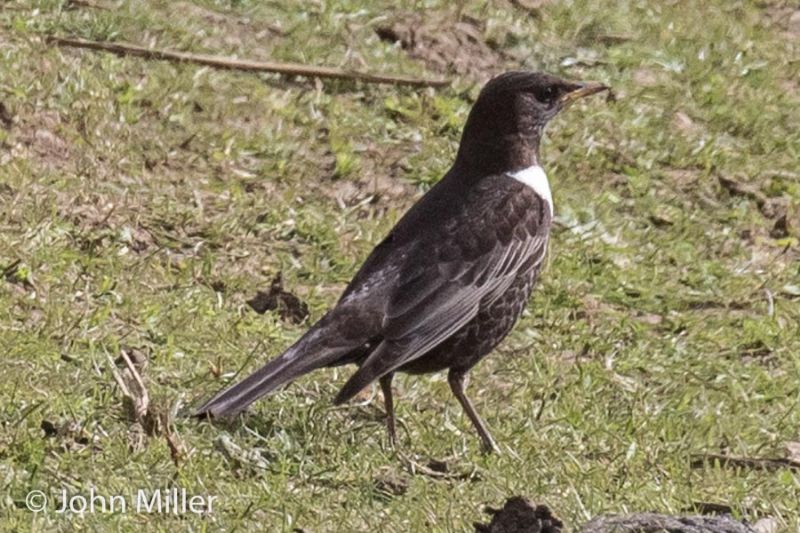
[288, 306]
[519, 515]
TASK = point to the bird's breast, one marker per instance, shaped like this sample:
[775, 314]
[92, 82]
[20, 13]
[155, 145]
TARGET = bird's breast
[535, 178]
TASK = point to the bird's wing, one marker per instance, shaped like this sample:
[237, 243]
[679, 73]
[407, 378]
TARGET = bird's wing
[461, 264]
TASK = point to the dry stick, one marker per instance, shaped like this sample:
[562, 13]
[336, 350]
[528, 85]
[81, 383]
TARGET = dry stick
[117, 377]
[89, 4]
[291, 69]
[700, 460]
[141, 405]
[143, 402]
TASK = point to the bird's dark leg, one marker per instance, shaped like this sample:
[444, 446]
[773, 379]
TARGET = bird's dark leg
[386, 388]
[458, 382]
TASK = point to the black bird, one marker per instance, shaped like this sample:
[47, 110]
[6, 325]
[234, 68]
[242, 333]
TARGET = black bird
[453, 276]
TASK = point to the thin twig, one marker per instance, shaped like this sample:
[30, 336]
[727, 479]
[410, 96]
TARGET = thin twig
[88, 3]
[142, 403]
[786, 174]
[153, 422]
[700, 460]
[436, 470]
[770, 303]
[290, 69]
[117, 377]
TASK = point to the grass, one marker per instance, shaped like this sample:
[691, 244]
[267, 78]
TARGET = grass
[142, 203]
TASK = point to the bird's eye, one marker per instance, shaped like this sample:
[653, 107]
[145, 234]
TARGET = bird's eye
[545, 95]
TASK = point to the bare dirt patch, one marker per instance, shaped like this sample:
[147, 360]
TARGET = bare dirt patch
[38, 140]
[379, 180]
[786, 16]
[444, 45]
[98, 217]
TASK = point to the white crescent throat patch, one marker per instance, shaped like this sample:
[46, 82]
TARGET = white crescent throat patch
[535, 178]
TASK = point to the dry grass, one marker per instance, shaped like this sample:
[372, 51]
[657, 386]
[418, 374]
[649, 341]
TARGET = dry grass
[143, 203]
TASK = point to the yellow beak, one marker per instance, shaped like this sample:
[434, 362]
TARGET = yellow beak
[584, 90]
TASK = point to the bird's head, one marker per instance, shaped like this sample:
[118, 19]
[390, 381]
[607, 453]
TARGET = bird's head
[506, 123]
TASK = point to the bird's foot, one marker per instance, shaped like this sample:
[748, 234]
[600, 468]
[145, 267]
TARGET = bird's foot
[489, 446]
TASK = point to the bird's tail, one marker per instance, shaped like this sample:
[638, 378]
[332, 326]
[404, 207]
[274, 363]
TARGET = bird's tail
[307, 354]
